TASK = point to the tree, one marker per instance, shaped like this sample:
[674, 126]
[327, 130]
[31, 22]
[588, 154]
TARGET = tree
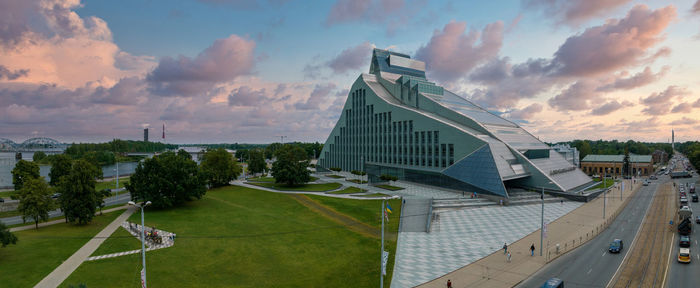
[6, 237]
[23, 171]
[35, 200]
[290, 167]
[60, 166]
[335, 169]
[219, 167]
[626, 163]
[387, 177]
[256, 163]
[585, 149]
[38, 156]
[167, 180]
[101, 195]
[78, 198]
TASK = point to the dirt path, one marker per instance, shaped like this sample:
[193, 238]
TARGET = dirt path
[345, 220]
[646, 264]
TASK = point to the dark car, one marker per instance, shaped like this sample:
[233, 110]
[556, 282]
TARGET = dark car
[615, 246]
[2, 200]
[697, 219]
[694, 198]
[684, 241]
[553, 283]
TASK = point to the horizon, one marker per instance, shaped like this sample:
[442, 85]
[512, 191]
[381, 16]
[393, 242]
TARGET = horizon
[213, 72]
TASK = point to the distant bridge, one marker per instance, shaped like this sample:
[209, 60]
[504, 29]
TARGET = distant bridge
[33, 144]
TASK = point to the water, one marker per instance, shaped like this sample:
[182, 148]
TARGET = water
[7, 163]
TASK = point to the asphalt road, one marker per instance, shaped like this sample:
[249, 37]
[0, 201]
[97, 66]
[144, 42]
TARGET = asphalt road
[680, 274]
[591, 265]
[114, 200]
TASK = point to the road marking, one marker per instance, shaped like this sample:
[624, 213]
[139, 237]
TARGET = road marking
[603, 254]
[589, 271]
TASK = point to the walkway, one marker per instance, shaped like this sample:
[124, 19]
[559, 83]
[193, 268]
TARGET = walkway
[168, 239]
[58, 275]
[62, 220]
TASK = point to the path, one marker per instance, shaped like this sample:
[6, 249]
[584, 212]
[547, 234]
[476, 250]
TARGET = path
[58, 275]
[168, 240]
[59, 221]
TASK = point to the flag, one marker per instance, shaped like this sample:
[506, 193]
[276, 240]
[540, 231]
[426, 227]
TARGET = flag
[388, 208]
[386, 216]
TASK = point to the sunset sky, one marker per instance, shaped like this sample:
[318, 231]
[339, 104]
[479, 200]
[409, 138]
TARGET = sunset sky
[250, 71]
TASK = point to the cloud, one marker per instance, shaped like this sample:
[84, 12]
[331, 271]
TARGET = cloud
[576, 97]
[351, 58]
[317, 97]
[223, 61]
[610, 107]
[14, 20]
[684, 121]
[525, 113]
[637, 80]
[12, 75]
[660, 103]
[451, 54]
[696, 7]
[696, 104]
[246, 96]
[505, 84]
[682, 107]
[573, 12]
[347, 10]
[128, 91]
[392, 14]
[613, 45]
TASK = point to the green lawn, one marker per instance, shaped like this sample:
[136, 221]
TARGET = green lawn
[303, 187]
[608, 182]
[38, 252]
[241, 237]
[349, 190]
[335, 176]
[119, 241]
[9, 214]
[388, 187]
[357, 181]
[6, 194]
[110, 184]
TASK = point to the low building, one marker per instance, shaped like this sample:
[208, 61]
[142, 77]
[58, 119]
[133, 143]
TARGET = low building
[659, 156]
[640, 165]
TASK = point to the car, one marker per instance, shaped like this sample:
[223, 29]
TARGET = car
[653, 177]
[697, 219]
[553, 283]
[2, 200]
[684, 255]
[684, 241]
[56, 195]
[615, 246]
[646, 183]
[694, 197]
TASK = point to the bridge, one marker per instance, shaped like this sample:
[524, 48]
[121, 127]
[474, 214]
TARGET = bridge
[33, 144]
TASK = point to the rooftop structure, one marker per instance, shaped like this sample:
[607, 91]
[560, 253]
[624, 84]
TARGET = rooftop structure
[396, 122]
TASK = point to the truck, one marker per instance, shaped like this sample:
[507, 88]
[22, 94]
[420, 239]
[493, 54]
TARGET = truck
[680, 174]
[685, 214]
[692, 188]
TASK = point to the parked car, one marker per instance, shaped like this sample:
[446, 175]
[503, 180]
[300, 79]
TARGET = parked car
[697, 219]
[684, 255]
[615, 246]
[653, 177]
[646, 183]
[553, 283]
[694, 198]
[684, 241]
[2, 200]
[684, 201]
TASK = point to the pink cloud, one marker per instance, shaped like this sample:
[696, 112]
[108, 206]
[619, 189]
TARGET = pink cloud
[12, 75]
[696, 104]
[660, 103]
[352, 58]
[392, 14]
[610, 107]
[682, 107]
[574, 12]
[246, 96]
[525, 113]
[684, 121]
[347, 10]
[637, 80]
[576, 97]
[317, 97]
[696, 7]
[451, 54]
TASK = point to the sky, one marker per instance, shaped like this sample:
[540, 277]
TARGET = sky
[246, 71]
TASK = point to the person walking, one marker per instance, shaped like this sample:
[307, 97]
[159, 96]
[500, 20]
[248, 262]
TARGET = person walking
[449, 283]
[508, 257]
[505, 248]
[532, 249]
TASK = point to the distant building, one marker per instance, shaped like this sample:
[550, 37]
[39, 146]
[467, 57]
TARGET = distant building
[570, 153]
[396, 122]
[640, 165]
[145, 135]
[659, 156]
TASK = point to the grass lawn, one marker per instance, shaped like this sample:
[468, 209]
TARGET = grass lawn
[303, 187]
[38, 252]
[374, 195]
[349, 190]
[608, 182]
[335, 176]
[110, 184]
[388, 187]
[9, 214]
[119, 241]
[241, 237]
[357, 181]
[6, 194]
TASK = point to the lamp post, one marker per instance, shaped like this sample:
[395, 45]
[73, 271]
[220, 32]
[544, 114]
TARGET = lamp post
[143, 241]
[381, 255]
[116, 187]
[542, 219]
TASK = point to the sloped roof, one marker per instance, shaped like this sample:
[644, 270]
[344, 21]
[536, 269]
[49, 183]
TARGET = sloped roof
[616, 158]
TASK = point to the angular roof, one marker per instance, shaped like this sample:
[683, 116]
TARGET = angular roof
[616, 158]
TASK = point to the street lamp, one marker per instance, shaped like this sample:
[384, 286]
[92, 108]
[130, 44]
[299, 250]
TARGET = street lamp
[381, 255]
[143, 241]
[542, 219]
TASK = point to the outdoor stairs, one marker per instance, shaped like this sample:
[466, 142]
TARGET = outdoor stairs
[460, 203]
[522, 197]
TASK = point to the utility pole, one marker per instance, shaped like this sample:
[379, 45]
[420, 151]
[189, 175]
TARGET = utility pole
[542, 222]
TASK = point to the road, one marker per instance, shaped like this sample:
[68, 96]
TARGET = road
[591, 265]
[114, 200]
[679, 274]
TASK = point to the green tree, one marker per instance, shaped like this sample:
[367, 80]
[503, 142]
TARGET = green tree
[626, 163]
[35, 200]
[6, 237]
[60, 166]
[585, 149]
[290, 167]
[101, 195]
[23, 171]
[219, 167]
[78, 198]
[167, 180]
[38, 156]
[256, 163]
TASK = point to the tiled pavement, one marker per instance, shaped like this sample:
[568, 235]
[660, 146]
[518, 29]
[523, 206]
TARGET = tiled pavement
[463, 236]
[168, 240]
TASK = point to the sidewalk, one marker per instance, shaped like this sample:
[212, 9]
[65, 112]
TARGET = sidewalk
[569, 231]
[59, 221]
[58, 275]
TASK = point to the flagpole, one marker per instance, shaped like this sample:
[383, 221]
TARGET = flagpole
[381, 254]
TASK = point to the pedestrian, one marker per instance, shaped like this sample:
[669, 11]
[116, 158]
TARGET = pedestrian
[562, 201]
[532, 249]
[501, 202]
[505, 248]
[449, 283]
[508, 257]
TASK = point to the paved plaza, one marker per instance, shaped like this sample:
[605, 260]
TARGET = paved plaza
[460, 237]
